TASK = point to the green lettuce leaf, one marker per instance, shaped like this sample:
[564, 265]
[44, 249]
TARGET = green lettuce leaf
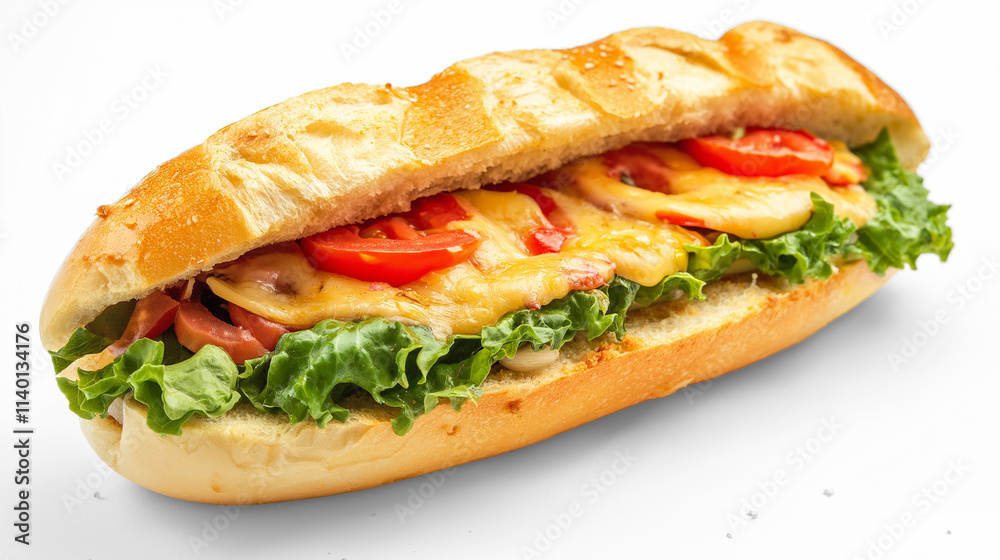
[173, 351]
[708, 264]
[455, 381]
[406, 367]
[112, 321]
[594, 312]
[795, 255]
[204, 383]
[907, 225]
[81, 343]
[310, 371]
[686, 283]
[553, 324]
[95, 390]
[806, 252]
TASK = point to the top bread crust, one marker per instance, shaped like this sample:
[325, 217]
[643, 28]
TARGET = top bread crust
[350, 152]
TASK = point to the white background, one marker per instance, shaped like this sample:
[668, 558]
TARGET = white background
[897, 431]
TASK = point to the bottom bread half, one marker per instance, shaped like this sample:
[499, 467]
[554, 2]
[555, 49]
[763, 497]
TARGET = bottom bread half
[246, 457]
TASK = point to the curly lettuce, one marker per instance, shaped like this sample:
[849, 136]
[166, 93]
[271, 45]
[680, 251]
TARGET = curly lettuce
[795, 255]
[907, 224]
[309, 372]
[204, 384]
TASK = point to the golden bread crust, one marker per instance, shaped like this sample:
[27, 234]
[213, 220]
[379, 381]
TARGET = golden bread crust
[354, 151]
[246, 457]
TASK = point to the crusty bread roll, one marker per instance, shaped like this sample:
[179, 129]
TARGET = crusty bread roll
[352, 152]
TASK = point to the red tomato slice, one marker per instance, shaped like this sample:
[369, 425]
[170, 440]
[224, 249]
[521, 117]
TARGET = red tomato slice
[152, 315]
[642, 166]
[544, 240]
[390, 249]
[196, 326]
[394, 261]
[265, 331]
[436, 211]
[680, 219]
[763, 152]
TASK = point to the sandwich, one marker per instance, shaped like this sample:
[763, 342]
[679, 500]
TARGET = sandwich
[368, 283]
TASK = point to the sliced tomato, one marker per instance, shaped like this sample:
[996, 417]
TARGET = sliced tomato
[266, 332]
[644, 168]
[390, 249]
[196, 326]
[394, 261]
[680, 219]
[763, 152]
[436, 211]
[544, 240]
[152, 315]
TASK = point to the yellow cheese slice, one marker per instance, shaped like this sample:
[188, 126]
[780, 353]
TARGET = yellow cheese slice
[748, 207]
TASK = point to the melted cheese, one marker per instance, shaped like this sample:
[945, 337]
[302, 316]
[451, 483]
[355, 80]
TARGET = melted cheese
[500, 276]
[749, 207]
[641, 251]
[615, 230]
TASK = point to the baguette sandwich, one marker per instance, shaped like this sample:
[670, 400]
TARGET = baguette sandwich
[368, 283]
